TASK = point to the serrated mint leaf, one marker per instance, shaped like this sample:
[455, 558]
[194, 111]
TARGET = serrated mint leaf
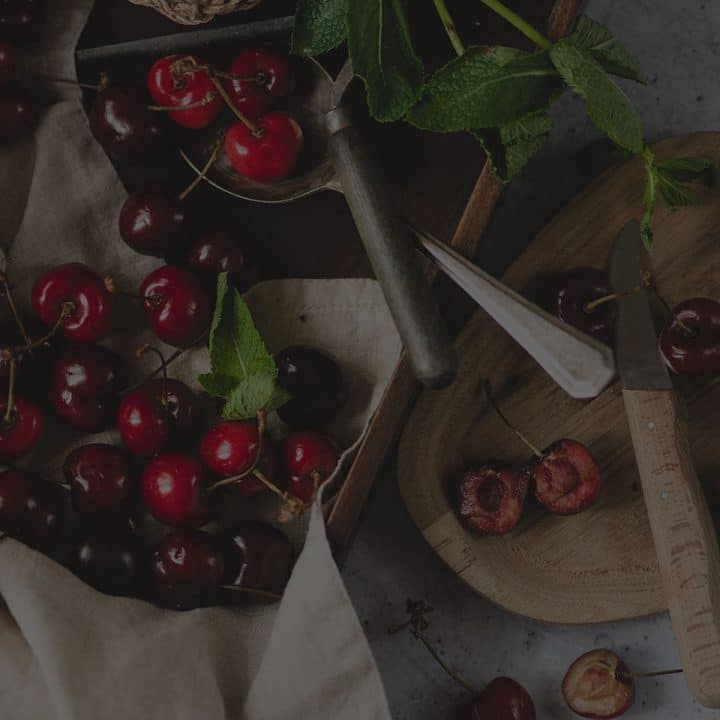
[649, 198]
[688, 168]
[607, 105]
[217, 385]
[596, 38]
[674, 193]
[249, 396]
[486, 89]
[319, 26]
[383, 56]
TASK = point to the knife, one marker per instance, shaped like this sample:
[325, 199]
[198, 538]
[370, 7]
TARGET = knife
[685, 540]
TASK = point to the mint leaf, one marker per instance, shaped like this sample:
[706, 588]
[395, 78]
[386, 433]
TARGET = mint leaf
[688, 168]
[319, 26]
[486, 89]
[383, 56]
[606, 103]
[596, 38]
[249, 396]
[649, 197]
[674, 194]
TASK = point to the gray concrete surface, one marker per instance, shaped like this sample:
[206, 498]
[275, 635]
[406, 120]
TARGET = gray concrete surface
[677, 43]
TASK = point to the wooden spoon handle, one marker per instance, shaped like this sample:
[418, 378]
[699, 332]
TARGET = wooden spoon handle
[684, 535]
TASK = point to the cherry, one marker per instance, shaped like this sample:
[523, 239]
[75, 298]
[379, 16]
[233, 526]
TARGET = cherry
[84, 386]
[502, 699]
[566, 478]
[309, 458]
[257, 557]
[172, 489]
[492, 499]
[8, 64]
[599, 685]
[20, 19]
[222, 251]
[261, 77]
[315, 383]
[179, 81]
[18, 114]
[158, 415]
[177, 305]
[123, 125]
[690, 340]
[101, 480]
[21, 428]
[75, 297]
[32, 365]
[268, 153]
[187, 570]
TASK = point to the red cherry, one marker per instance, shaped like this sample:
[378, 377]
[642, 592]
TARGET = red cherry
[18, 114]
[567, 479]
[100, 479]
[268, 155]
[177, 81]
[177, 305]
[172, 489]
[262, 77]
[79, 292]
[492, 499]
[222, 251]
[502, 699]
[187, 570]
[157, 416]
[8, 63]
[309, 458]
[84, 387]
[22, 429]
[690, 341]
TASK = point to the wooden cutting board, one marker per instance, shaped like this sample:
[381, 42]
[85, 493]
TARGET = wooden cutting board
[599, 565]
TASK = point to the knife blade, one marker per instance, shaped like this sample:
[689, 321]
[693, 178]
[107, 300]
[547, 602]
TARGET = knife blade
[681, 525]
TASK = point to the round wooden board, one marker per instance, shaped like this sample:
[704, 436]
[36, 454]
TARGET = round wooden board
[599, 565]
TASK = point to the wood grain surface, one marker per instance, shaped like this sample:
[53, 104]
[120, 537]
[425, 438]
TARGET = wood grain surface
[600, 565]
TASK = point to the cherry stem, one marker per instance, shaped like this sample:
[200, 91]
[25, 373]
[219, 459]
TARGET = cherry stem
[201, 175]
[249, 124]
[163, 366]
[657, 673]
[7, 418]
[110, 286]
[67, 309]
[646, 283]
[253, 591]
[501, 415]
[450, 27]
[190, 106]
[258, 78]
[13, 308]
[99, 87]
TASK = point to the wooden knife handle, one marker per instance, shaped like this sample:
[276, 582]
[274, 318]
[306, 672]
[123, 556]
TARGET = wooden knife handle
[684, 535]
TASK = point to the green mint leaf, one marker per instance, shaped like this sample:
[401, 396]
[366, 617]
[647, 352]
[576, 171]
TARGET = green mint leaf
[319, 26]
[606, 103]
[674, 193]
[486, 89]
[383, 56]
[217, 385]
[258, 392]
[688, 168]
[649, 197]
[596, 38]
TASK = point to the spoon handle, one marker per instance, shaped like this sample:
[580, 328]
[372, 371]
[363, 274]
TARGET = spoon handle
[392, 254]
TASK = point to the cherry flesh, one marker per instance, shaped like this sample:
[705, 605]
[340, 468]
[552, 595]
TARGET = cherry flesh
[18, 114]
[157, 416]
[20, 19]
[8, 64]
[314, 382]
[257, 557]
[310, 459]
[492, 499]
[690, 341]
[78, 294]
[187, 570]
[177, 305]
[222, 251]
[261, 78]
[268, 155]
[172, 488]
[502, 699]
[154, 223]
[101, 481]
[22, 429]
[566, 480]
[599, 685]
[84, 387]
[179, 81]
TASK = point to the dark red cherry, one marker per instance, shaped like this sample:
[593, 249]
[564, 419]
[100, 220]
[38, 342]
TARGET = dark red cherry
[123, 125]
[268, 155]
[690, 340]
[502, 699]
[187, 570]
[177, 305]
[309, 458]
[154, 223]
[262, 77]
[314, 382]
[492, 499]
[21, 429]
[8, 64]
[101, 481]
[18, 114]
[222, 251]
[257, 557]
[173, 490]
[84, 387]
[157, 416]
[20, 20]
[566, 480]
[80, 294]
[181, 81]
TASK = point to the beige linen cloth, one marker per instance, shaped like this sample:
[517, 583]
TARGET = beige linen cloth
[69, 652]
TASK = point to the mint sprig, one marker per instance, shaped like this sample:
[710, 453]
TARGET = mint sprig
[319, 26]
